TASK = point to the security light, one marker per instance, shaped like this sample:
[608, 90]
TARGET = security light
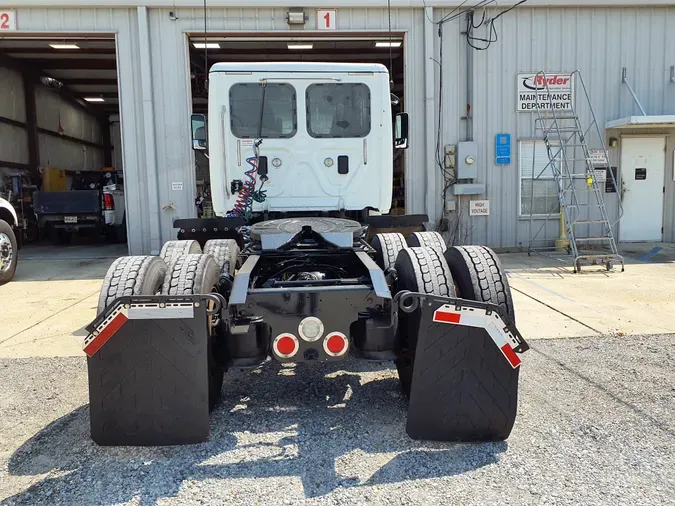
[296, 17]
[94, 99]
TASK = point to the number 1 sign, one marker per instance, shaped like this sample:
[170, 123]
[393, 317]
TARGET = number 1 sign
[326, 19]
[7, 20]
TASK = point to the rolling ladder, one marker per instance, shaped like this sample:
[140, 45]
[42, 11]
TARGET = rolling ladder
[586, 230]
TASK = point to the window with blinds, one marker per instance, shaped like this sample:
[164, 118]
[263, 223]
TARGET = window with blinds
[538, 195]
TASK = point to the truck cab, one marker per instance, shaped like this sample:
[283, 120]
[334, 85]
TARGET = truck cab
[300, 137]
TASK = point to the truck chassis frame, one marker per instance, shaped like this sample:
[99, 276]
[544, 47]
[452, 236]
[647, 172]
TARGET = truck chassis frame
[170, 351]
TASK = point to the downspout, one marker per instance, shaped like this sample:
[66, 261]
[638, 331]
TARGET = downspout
[149, 130]
[431, 199]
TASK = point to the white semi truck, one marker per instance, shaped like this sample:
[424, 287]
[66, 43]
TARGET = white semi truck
[301, 159]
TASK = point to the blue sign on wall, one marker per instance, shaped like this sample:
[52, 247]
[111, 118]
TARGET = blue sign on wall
[503, 149]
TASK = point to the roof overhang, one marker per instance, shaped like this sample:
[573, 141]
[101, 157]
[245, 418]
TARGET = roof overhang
[660, 121]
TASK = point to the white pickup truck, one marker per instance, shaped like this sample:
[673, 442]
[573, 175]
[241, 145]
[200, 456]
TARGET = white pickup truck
[8, 245]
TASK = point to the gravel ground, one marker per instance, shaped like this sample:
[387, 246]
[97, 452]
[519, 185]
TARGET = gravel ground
[596, 425]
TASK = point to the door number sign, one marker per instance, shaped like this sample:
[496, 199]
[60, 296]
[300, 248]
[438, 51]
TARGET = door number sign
[7, 20]
[326, 19]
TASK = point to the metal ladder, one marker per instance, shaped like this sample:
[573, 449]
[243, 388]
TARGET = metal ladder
[585, 220]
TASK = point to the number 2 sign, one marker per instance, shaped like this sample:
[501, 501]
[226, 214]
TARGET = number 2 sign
[7, 20]
[326, 19]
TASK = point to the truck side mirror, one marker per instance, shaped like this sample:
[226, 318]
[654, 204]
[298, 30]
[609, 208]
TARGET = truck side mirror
[401, 131]
[199, 132]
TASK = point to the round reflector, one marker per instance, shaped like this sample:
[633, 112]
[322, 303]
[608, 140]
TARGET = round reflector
[310, 329]
[286, 345]
[335, 344]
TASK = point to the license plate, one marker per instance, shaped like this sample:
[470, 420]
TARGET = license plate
[70, 219]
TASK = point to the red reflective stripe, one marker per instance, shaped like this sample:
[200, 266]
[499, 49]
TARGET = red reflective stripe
[511, 355]
[105, 334]
[446, 317]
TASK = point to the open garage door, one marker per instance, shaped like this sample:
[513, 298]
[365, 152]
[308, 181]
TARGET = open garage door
[380, 48]
[64, 173]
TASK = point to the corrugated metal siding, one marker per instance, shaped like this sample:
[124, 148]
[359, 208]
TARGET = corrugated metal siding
[13, 139]
[597, 41]
[12, 102]
[52, 112]
[13, 144]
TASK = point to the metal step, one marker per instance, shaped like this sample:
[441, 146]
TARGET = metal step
[592, 239]
[586, 222]
[556, 118]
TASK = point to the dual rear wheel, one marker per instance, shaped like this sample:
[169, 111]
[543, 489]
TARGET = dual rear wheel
[182, 268]
[481, 387]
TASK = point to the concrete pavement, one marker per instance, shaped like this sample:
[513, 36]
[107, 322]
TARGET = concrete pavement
[55, 292]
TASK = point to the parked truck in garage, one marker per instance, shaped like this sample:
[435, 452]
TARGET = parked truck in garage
[94, 204]
[291, 270]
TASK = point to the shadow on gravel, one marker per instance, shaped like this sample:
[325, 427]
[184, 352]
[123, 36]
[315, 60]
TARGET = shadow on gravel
[316, 423]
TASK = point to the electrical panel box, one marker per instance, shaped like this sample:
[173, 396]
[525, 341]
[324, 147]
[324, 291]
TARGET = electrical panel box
[468, 189]
[467, 160]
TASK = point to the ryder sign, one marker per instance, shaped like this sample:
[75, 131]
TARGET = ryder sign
[554, 90]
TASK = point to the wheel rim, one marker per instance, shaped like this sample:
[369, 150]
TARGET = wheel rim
[6, 253]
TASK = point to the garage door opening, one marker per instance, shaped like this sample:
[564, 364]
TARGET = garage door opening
[62, 171]
[366, 48]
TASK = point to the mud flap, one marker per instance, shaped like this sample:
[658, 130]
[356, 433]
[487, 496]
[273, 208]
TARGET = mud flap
[147, 361]
[465, 372]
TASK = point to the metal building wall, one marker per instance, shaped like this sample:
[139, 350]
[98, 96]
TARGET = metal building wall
[597, 41]
[53, 112]
[13, 139]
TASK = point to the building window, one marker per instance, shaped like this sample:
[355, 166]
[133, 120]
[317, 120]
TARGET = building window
[338, 110]
[279, 115]
[543, 186]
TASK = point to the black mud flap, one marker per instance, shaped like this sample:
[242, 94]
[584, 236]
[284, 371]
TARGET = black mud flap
[465, 372]
[148, 370]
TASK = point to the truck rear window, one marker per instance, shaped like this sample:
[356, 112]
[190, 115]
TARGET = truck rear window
[279, 113]
[337, 110]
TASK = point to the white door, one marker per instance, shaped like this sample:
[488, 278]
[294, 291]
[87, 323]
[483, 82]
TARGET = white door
[643, 161]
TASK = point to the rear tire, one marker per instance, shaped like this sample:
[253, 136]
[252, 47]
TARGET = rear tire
[172, 250]
[224, 251]
[387, 247]
[421, 270]
[199, 274]
[132, 275]
[479, 276]
[427, 239]
[9, 251]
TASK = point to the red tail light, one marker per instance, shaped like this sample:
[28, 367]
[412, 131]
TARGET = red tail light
[286, 345]
[108, 202]
[335, 344]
